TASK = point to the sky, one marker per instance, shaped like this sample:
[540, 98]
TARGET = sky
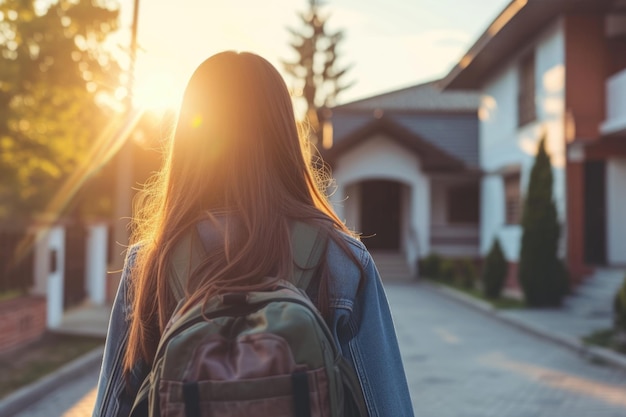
[390, 43]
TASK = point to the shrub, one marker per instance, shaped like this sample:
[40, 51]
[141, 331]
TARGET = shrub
[447, 270]
[619, 309]
[494, 272]
[466, 273]
[430, 266]
[541, 274]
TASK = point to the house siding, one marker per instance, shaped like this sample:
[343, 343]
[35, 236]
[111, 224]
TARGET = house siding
[587, 68]
[505, 145]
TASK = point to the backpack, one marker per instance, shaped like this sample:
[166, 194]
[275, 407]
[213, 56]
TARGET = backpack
[264, 353]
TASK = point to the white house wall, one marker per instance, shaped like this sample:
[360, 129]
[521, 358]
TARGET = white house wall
[504, 145]
[616, 207]
[352, 206]
[382, 158]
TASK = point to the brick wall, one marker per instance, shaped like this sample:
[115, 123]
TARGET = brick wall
[511, 276]
[22, 320]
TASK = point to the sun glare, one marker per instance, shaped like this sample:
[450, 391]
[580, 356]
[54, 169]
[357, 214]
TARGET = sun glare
[156, 91]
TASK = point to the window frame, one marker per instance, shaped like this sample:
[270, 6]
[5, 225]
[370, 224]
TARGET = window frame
[526, 90]
[512, 197]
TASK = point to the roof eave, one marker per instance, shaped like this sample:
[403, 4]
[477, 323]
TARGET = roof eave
[512, 28]
[458, 78]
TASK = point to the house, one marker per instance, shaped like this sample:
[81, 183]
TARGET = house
[407, 171]
[555, 68]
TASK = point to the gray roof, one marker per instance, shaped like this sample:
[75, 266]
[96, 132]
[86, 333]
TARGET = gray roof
[454, 133]
[447, 120]
[421, 97]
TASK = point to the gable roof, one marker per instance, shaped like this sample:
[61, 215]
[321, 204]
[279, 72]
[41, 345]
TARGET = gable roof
[515, 25]
[433, 158]
[455, 135]
[441, 127]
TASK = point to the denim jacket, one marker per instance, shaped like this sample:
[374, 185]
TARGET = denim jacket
[361, 323]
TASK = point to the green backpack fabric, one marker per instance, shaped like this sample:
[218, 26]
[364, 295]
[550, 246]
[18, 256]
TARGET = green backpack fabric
[267, 353]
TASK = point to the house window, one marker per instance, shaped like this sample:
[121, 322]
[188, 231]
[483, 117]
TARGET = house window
[463, 204]
[512, 197]
[526, 111]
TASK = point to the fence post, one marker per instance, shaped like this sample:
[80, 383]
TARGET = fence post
[55, 252]
[42, 261]
[96, 268]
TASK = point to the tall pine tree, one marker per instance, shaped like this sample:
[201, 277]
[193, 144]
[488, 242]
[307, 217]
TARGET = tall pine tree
[316, 71]
[541, 273]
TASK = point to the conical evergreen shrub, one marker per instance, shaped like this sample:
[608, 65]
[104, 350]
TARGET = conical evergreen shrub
[619, 309]
[494, 271]
[541, 274]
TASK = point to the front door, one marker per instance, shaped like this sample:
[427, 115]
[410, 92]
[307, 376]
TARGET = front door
[380, 214]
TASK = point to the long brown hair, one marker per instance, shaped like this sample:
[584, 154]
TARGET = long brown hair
[235, 149]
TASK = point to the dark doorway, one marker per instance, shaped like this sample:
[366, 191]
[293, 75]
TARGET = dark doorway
[380, 214]
[595, 213]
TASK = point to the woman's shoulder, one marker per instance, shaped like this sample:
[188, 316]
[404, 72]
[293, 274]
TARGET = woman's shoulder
[352, 243]
[346, 269]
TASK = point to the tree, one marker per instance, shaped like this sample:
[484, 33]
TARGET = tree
[316, 71]
[494, 272]
[619, 309]
[54, 71]
[541, 273]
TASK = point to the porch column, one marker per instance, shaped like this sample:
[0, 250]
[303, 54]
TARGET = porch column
[616, 206]
[420, 219]
[338, 201]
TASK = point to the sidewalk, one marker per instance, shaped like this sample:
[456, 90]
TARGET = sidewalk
[86, 320]
[558, 325]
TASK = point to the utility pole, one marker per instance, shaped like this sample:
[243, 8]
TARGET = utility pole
[124, 172]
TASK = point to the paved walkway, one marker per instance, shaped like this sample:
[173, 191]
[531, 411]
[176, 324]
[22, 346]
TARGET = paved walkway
[583, 313]
[461, 362]
[87, 319]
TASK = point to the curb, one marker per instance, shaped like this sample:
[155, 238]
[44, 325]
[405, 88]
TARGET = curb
[593, 353]
[25, 396]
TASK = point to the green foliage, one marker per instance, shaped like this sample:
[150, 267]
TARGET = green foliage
[461, 272]
[541, 275]
[447, 270]
[494, 271]
[619, 308]
[430, 266]
[53, 72]
[315, 71]
[466, 273]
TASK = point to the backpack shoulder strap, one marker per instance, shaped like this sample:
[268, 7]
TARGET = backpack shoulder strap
[186, 256]
[308, 245]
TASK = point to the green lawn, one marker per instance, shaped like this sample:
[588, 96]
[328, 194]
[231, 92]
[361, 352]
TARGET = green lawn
[26, 365]
[607, 339]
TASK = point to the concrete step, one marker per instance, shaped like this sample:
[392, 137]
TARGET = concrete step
[594, 297]
[392, 266]
[595, 292]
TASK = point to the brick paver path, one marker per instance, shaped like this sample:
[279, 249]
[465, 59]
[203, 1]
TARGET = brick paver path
[459, 363]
